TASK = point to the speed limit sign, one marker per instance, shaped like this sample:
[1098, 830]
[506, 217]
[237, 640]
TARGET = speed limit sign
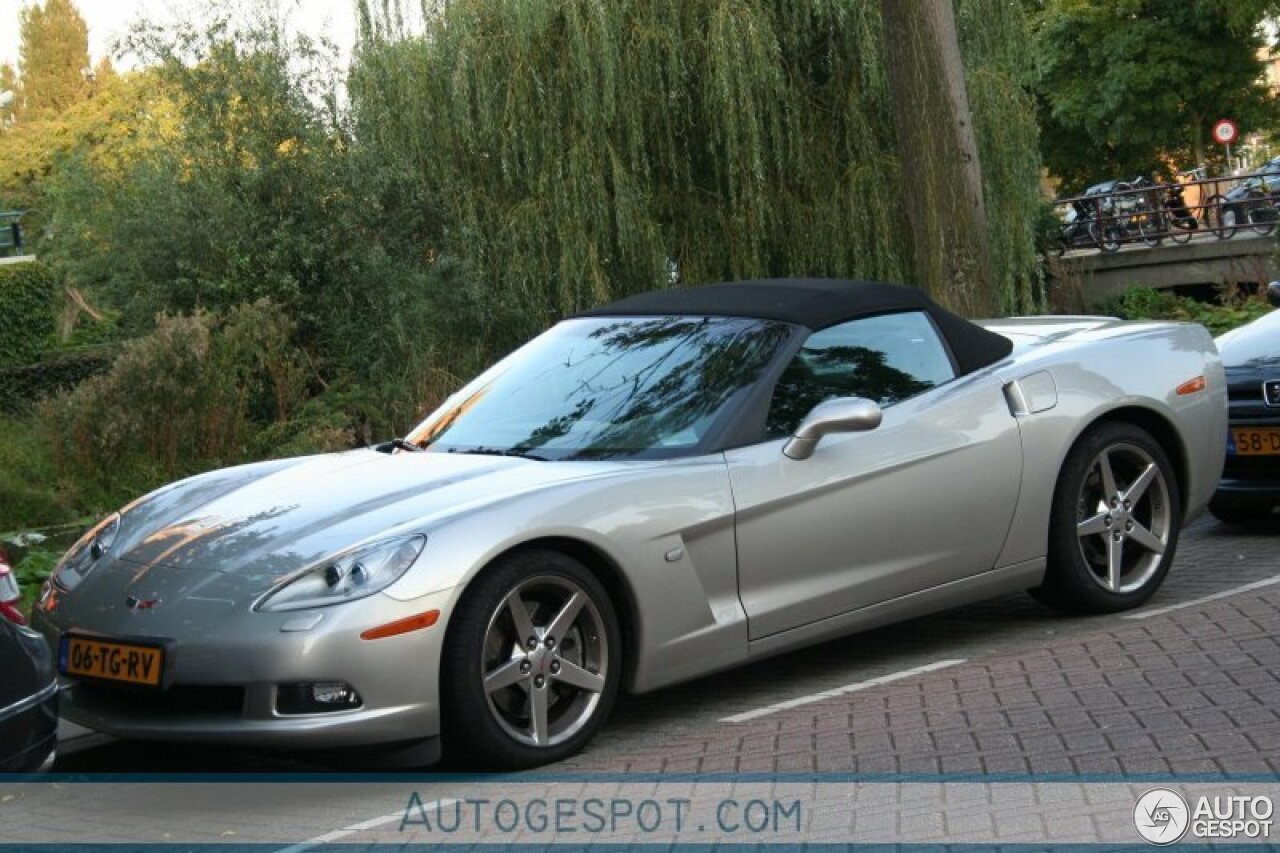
[1225, 131]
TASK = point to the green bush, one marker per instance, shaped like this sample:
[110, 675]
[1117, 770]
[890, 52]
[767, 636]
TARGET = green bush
[191, 395]
[27, 303]
[1234, 308]
[21, 385]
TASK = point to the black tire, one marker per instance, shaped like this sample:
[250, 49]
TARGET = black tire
[1181, 234]
[1244, 516]
[1112, 237]
[472, 727]
[1072, 581]
[1262, 218]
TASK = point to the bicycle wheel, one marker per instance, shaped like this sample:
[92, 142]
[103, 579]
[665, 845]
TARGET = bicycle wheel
[1222, 219]
[1152, 229]
[1181, 233]
[1262, 219]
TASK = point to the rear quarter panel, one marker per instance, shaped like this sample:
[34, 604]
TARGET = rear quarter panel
[1119, 370]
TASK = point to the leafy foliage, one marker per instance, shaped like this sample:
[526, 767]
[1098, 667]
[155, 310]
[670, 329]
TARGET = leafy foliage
[21, 385]
[290, 275]
[190, 395]
[256, 190]
[27, 297]
[1126, 85]
[54, 53]
[583, 151]
[1145, 303]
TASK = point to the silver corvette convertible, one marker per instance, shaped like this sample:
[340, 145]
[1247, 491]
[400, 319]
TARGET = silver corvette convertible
[674, 484]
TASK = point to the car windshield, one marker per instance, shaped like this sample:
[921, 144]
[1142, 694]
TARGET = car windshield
[607, 387]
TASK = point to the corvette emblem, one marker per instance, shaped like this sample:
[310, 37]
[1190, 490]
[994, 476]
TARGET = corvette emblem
[136, 604]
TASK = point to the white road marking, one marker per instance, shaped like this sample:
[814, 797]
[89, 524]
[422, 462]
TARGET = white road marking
[839, 691]
[1160, 611]
[355, 828]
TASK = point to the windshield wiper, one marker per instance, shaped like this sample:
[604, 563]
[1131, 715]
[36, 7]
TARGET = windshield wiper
[494, 451]
[397, 444]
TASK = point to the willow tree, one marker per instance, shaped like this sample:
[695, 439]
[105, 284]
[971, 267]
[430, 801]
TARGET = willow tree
[584, 149]
[939, 149]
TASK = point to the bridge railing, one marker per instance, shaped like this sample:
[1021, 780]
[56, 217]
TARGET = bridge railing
[10, 232]
[1145, 212]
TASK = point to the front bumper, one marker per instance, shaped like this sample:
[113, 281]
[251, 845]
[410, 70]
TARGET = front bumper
[222, 679]
[1247, 492]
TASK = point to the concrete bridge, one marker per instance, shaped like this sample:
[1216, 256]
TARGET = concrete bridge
[1246, 258]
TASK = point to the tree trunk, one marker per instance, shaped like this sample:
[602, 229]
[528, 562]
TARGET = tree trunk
[941, 171]
[1197, 139]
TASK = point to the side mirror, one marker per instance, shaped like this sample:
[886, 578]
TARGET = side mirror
[842, 414]
[1273, 294]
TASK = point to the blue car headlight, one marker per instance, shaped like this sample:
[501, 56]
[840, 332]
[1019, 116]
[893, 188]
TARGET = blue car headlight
[87, 553]
[348, 577]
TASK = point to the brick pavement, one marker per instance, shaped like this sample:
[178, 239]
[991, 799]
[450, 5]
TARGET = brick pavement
[1195, 691]
[1192, 693]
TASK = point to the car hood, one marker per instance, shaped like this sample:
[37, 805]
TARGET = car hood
[270, 524]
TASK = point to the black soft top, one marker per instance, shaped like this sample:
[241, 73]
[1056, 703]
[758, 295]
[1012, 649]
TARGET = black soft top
[815, 303]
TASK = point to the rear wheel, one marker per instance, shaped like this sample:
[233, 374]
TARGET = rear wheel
[1152, 229]
[1115, 522]
[532, 662]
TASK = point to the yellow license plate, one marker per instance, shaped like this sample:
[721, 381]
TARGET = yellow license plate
[1260, 441]
[128, 663]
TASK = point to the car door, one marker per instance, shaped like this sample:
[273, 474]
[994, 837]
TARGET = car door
[923, 499]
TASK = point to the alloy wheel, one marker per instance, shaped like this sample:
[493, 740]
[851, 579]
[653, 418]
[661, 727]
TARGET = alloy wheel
[1123, 518]
[545, 661]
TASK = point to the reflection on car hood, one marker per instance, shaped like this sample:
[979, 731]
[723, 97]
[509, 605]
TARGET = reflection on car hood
[288, 518]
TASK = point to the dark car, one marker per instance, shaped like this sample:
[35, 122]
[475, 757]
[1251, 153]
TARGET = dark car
[28, 700]
[1250, 486]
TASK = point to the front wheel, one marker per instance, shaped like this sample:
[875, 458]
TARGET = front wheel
[1115, 522]
[532, 662]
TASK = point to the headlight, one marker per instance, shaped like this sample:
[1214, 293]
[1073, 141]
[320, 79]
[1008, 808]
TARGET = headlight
[350, 576]
[86, 553]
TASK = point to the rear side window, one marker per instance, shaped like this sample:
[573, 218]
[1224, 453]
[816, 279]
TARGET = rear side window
[887, 358]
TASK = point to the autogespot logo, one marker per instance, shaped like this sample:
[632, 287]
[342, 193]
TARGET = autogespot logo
[1161, 816]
